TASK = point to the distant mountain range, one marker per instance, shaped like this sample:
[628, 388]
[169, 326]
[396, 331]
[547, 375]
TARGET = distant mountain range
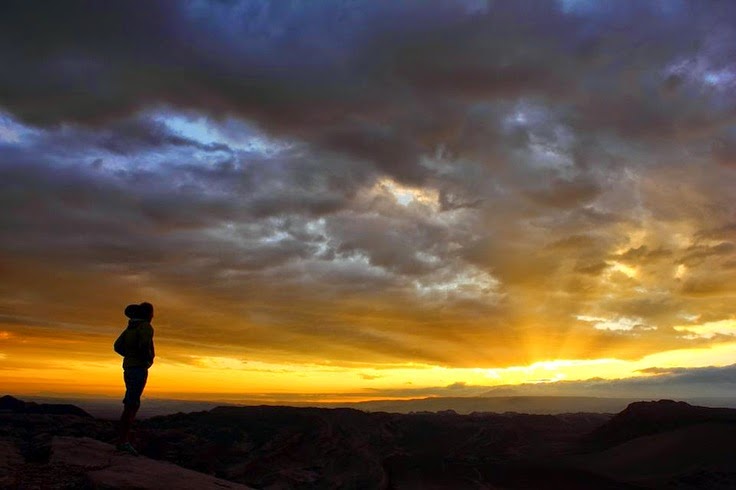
[111, 407]
[662, 444]
[9, 404]
[498, 404]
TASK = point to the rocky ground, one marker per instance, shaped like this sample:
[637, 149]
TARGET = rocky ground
[648, 445]
[85, 463]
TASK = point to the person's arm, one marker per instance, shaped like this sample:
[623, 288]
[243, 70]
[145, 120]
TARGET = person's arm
[146, 343]
[152, 351]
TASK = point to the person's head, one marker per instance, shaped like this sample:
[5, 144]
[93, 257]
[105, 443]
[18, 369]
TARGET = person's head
[131, 311]
[145, 311]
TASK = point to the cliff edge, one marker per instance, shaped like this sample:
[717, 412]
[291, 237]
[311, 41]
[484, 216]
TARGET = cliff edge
[82, 462]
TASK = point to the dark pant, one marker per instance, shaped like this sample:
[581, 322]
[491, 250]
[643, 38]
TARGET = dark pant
[135, 380]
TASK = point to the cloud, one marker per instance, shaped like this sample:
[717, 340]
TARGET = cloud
[426, 181]
[344, 76]
[658, 383]
[655, 383]
[643, 254]
[709, 329]
[698, 253]
[563, 194]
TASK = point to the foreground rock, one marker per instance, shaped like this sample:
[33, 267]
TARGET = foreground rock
[652, 445]
[10, 458]
[104, 467]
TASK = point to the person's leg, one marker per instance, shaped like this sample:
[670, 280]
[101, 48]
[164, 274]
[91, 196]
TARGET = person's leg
[126, 421]
[135, 381]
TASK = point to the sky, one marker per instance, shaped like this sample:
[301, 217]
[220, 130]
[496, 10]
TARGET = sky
[364, 199]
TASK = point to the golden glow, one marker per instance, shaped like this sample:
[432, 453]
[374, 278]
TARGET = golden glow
[710, 329]
[680, 271]
[406, 195]
[624, 269]
[228, 377]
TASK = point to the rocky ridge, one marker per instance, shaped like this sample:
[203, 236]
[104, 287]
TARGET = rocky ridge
[649, 445]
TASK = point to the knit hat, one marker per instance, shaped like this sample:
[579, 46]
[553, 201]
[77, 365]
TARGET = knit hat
[131, 311]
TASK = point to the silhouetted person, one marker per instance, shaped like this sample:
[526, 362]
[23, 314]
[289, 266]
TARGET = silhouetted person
[135, 344]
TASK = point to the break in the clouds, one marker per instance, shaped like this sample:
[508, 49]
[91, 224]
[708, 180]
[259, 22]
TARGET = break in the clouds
[457, 183]
[674, 383]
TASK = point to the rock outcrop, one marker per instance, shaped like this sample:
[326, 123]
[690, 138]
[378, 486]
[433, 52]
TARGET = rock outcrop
[665, 444]
[84, 463]
[10, 459]
[648, 418]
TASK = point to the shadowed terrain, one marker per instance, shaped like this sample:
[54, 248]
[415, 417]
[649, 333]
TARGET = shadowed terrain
[648, 445]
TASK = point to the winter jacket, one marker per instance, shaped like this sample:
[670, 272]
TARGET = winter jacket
[135, 343]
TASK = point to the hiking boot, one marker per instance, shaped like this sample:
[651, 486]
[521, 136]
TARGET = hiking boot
[127, 447]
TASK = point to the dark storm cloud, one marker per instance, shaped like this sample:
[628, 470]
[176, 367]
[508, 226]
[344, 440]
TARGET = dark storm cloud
[724, 148]
[124, 137]
[363, 79]
[154, 204]
[674, 383]
[387, 242]
[111, 220]
[135, 135]
[661, 383]
[566, 194]
[92, 63]
[469, 175]
[706, 381]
